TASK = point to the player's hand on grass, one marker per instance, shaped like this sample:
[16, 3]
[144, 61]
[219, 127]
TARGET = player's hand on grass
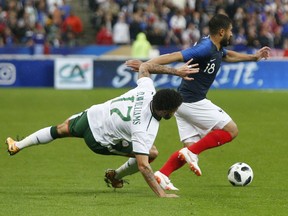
[187, 69]
[134, 64]
[171, 196]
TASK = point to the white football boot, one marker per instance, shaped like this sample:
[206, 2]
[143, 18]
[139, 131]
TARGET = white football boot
[191, 159]
[164, 181]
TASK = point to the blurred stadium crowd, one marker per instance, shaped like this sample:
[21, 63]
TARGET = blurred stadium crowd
[257, 23]
[29, 22]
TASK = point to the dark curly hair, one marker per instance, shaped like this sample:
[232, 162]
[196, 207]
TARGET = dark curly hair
[166, 99]
[217, 22]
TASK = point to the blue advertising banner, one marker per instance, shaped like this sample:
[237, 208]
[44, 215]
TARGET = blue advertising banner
[83, 50]
[26, 73]
[252, 75]
[116, 74]
[248, 75]
[272, 74]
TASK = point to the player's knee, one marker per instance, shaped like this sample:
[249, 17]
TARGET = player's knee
[62, 129]
[235, 132]
[191, 140]
[232, 128]
[153, 153]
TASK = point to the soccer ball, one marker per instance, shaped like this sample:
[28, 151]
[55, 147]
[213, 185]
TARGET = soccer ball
[240, 174]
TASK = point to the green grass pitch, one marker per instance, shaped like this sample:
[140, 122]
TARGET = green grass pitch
[66, 178]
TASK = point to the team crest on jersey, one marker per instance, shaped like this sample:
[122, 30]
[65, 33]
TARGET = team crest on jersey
[125, 143]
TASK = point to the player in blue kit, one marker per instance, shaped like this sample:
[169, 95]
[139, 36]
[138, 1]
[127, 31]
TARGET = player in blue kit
[201, 124]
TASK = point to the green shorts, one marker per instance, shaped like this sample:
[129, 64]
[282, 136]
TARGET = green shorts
[79, 127]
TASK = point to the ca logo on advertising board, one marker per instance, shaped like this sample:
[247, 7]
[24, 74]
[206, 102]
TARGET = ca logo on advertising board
[71, 73]
[7, 74]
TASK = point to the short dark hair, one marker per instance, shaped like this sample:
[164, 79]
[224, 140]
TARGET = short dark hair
[217, 22]
[166, 99]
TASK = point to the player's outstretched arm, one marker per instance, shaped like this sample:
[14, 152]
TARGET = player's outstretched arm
[183, 71]
[147, 172]
[233, 56]
[162, 60]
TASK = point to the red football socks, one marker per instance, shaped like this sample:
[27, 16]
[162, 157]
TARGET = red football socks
[213, 139]
[172, 164]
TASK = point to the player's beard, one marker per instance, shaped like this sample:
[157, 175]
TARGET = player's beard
[226, 41]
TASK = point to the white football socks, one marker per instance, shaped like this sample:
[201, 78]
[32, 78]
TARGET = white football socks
[128, 168]
[41, 136]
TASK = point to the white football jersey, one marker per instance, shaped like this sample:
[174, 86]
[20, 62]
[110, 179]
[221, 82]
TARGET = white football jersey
[127, 117]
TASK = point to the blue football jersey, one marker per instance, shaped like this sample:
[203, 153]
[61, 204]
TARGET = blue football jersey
[204, 53]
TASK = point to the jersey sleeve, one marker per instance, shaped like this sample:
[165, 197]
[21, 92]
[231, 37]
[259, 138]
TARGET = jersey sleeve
[146, 83]
[144, 127]
[196, 52]
[142, 142]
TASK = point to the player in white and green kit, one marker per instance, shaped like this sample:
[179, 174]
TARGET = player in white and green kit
[126, 125]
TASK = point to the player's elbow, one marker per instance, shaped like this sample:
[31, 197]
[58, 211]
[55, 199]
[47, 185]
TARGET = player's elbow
[144, 69]
[153, 153]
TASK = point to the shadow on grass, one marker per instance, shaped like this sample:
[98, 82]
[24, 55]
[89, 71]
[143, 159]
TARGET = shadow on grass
[76, 192]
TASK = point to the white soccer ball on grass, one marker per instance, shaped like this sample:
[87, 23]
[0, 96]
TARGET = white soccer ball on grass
[240, 174]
